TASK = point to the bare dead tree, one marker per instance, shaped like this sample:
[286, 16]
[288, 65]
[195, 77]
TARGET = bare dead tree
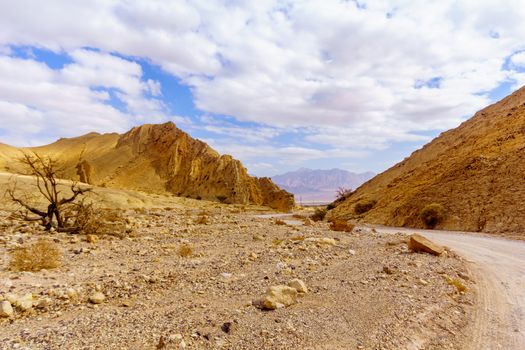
[343, 192]
[45, 171]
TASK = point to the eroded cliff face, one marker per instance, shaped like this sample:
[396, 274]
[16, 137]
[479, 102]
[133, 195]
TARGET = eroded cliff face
[476, 172]
[161, 158]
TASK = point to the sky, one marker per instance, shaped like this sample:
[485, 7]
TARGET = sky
[356, 85]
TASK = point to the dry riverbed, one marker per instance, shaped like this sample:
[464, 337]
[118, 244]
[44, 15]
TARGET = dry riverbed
[366, 290]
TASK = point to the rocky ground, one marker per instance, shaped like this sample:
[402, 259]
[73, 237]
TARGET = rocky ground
[366, 290]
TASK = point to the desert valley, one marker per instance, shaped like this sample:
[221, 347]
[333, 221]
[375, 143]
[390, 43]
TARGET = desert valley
[186, 244]
[264, 175]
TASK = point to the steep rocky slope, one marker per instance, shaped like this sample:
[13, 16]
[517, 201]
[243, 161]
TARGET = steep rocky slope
[475, 171]
[158, 159]
[319, 185]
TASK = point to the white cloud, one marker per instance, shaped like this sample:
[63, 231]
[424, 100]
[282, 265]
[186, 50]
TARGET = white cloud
[38, 104]
[346, 74]
[518, 59]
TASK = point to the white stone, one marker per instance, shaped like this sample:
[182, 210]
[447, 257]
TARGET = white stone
[26, 302]
[97, 298]
[6, 310]
[298, 285]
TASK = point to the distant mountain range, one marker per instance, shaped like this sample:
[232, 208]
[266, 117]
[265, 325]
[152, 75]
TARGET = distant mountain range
[310, 185]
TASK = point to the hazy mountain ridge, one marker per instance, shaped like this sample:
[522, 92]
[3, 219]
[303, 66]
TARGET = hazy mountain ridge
[319, 185]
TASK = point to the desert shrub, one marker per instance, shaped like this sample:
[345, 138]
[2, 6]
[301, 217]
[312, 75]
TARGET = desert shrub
[331, 206]
[202, 219]
[222, 199]
[298, 216]
[318, 215]
[185, 251]
[341, 225]
[279, 222]
[432, 214]
[364, 206]
[43, 254]
[460, 287]
[91, 220]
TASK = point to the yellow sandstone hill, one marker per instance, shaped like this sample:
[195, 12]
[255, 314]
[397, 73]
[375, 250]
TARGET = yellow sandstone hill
[156, 158]
[476, 172]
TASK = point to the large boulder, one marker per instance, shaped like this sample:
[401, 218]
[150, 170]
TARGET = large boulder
[418, 243]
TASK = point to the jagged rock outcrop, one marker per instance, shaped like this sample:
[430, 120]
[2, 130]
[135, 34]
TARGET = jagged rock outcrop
[159, 158]
[476, 172]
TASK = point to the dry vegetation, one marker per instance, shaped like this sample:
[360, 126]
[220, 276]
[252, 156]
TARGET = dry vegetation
[364, 206]
[59, 212]
[43, 254]
[356, 288]
[185, 251]
[432, 214]
[319, 214]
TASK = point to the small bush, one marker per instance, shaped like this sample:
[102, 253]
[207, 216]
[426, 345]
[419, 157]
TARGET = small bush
[90, 220]
[222, 199]
[364, 206]
[202, 219]
[185, 251]
[460, 287]
[432, 214]
[43, 254]
[341, 225]
[279, 222]
[318, 215]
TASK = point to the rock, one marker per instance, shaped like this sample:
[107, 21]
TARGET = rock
[92, 238]
[321, 240]
[419, 243]
[308, 222]
[278, 297]
[11, 298]
[253, 256]
[351, 251]
[200, 171]
[226, 275]
[388, 270]
[43, 304]
[97, 298]
[226, 327]
[26, 302]
[6, 310]
[71, 293]
[298, 285]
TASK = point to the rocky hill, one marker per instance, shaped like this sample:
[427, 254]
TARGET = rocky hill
[476, 172]
[319, 185]
[157, 159]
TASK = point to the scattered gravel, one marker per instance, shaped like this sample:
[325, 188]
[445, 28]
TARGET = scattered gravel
[365, 290]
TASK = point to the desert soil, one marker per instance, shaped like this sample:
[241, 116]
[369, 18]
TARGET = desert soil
[366, 290]
[499, 267]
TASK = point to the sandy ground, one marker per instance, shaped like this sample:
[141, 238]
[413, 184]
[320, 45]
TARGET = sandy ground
[499, 266]
[366, 290]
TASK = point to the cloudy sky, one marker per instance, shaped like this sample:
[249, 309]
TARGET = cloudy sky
[357, 85]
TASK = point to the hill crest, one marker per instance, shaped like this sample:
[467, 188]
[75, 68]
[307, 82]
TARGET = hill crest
[156, 158]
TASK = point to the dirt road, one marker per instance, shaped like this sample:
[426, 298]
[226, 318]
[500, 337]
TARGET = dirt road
[499, 265]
